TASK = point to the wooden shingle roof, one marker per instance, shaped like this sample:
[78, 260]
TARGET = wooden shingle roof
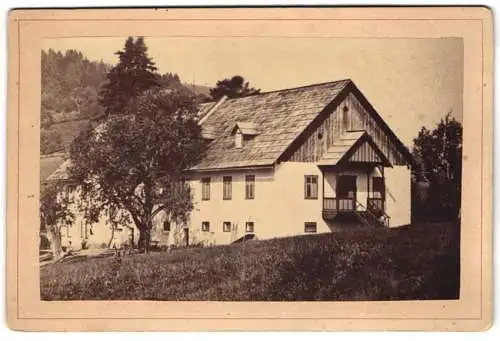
[61, 173]
[280, 117]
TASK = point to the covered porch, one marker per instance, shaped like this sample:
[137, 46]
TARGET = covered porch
[353, 179]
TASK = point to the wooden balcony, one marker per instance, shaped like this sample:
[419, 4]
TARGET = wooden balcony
[339, 204]
[332, 207]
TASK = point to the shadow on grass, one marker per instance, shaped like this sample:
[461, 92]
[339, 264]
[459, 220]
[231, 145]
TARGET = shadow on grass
[417, 262]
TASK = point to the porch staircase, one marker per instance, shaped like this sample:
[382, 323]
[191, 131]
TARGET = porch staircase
[369, 218]
[360, 213]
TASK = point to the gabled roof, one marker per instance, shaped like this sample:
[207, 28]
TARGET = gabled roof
[346, 147]
[283, 118]
[279, 115]
[61, 173]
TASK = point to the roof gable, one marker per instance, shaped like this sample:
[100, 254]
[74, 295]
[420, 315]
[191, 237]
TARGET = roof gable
[354, 146]
[49, 164]
[334, 108]
[246, 128]
[366, 152]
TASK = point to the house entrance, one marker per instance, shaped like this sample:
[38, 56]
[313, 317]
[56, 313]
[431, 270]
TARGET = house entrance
[346, 192]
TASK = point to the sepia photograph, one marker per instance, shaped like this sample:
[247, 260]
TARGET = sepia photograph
[265, 164]
[250, 172]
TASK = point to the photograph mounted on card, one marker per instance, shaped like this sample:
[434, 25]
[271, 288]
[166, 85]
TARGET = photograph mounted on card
[250, 169]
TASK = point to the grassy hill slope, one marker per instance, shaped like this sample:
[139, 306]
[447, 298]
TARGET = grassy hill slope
[421, 262]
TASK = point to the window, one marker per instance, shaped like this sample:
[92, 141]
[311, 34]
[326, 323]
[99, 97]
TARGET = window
[378, 187]
[311, 187]
[205, 226]
[345, 118]
[250, 187]
[249, 226]
[226, 226]
[238, 139]
[226, 184]
[310, 227]
[205, 189]
[320, 133]
[166, 226]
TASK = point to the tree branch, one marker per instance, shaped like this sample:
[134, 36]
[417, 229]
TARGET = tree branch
[158, 210]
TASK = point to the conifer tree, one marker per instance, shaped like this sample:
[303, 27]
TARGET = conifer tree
[134, 73]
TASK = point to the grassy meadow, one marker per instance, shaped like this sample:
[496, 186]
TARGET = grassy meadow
[419, 262]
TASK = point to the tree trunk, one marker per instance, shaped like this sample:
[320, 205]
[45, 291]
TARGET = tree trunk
[113, 226]
[140, 243]
[54, 236]
[144, 239]
[132, 241]
[148, 240]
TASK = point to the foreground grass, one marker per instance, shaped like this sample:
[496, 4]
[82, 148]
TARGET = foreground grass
[421, 262]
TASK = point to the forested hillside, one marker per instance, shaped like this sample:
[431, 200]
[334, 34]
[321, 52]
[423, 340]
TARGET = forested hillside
[70, 92]
[70, 85]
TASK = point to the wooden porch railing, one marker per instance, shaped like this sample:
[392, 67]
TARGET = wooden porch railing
[339, 204]
[374, 209]
[376, 206]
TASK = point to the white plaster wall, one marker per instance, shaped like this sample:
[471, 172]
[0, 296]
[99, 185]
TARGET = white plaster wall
[101, 231]
[238, 210]
[173, 237]
[330, 185]
[398, 195]
[278, 210]
[292, 209]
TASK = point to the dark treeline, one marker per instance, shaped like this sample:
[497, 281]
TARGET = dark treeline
[70, 92]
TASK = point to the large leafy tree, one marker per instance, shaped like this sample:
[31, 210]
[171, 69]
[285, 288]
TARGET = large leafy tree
[439, 152]
[134, 73]
[55, 199]
[232, 88]
[135, 162]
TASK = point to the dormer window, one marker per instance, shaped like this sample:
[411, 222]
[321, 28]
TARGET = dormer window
[238, 139]
[243, 132]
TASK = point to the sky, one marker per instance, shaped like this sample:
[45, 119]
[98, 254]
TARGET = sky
[410, 82]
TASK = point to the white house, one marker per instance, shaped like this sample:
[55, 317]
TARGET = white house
[297, 161]
[306, 160]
